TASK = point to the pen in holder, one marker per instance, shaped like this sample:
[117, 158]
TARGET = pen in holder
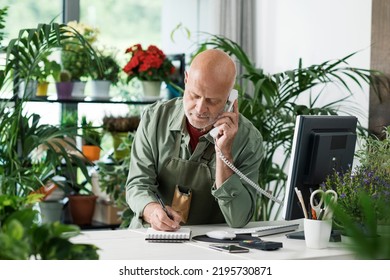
[302, 202]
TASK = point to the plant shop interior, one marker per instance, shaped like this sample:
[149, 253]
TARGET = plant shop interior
[73, 87]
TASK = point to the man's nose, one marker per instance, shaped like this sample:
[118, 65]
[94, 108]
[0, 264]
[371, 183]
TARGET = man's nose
[201, 106]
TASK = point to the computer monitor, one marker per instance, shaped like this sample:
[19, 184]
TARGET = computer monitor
[321, 144]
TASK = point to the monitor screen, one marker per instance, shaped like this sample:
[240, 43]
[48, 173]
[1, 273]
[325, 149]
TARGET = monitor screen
[321, 144]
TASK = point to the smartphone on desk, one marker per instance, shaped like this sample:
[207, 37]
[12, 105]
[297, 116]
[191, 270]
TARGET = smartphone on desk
[230, 248]
[228, 108]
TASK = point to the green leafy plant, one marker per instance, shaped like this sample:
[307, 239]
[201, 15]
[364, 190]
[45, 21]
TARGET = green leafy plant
[22, 238]
[47, 68]
[111, 68]
[92, 135]
[31, 152]
[353, 183]
[112, 180]
[365, 239]
[272, 107]
[375, 151]
[73, 55]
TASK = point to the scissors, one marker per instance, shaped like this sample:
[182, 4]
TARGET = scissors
[321, 208]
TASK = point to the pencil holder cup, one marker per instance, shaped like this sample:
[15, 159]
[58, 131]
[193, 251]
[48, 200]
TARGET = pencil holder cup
[317, 233]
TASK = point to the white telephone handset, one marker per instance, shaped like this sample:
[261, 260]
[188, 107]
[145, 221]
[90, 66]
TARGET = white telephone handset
[228, 108]
[214, 133]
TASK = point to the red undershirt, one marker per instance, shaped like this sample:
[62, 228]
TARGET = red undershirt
[194, 135]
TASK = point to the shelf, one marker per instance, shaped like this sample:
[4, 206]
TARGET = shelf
[90, 99]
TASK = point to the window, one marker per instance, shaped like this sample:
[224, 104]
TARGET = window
[26, 14]
[122, 23]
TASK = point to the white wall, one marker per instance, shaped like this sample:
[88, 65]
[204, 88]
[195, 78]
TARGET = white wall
[195, 15]
[315, 31]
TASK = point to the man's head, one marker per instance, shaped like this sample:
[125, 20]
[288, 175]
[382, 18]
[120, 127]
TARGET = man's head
[208, 83]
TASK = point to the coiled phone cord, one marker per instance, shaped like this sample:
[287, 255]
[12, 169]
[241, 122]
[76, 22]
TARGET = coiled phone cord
[246, 179]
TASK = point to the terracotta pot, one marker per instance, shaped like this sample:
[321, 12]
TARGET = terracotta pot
[91, 152]
[81, 208]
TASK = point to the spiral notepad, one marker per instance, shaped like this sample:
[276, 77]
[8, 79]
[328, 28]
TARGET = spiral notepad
[181, 235]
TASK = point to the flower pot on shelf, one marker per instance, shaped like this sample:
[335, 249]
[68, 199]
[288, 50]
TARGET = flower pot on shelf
[91, 152]
[51, 210]
[81, 208]
[42, 89]
[151, 88]
[64, 90]
[100, 88]
[78, 89]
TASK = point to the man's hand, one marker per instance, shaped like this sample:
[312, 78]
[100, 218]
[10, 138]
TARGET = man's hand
[227, 125]
[158, 219]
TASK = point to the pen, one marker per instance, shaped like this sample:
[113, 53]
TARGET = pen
[300, 198]
[313, 213]
[163, 206]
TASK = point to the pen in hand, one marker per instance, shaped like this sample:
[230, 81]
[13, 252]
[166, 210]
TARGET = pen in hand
[163, 206]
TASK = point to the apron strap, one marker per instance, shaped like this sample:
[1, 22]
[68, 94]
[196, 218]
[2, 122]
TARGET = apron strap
[177, 145]
[208, 154]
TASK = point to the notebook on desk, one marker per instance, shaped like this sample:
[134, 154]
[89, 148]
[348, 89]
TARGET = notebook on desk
[181, 235]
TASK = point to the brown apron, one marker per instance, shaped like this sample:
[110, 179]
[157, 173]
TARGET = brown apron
[196, 176]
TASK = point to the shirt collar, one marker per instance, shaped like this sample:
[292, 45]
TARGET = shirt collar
[178, 121]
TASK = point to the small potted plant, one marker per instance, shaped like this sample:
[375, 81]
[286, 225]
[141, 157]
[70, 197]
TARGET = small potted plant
[46, 69]
[107, 76]
[119, 127]
[64, 85]
[75, 58]
[92, 137]
[151, 66]
[362, 210]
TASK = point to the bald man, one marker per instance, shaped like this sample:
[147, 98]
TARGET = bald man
[175, 158]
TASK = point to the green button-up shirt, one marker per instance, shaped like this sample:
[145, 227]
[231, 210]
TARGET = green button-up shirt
[154, 144]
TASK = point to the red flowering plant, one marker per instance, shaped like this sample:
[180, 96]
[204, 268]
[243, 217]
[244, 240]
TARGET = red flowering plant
[148, 65]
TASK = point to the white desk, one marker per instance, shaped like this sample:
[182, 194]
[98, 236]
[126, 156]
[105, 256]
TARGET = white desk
[129, 244]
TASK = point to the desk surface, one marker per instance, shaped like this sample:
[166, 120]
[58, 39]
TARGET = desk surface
[130, 244]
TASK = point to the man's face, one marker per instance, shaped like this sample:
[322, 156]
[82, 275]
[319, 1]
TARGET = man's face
[202, 104]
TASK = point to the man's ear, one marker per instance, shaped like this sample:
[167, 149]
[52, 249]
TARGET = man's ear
[185, 77]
